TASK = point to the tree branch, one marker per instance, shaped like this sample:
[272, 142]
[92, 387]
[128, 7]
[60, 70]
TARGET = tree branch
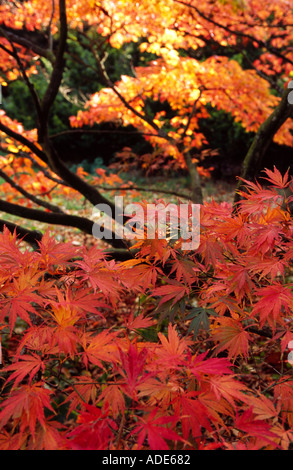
[29, 196]
[55, 163]
[57, 73]
[81, 223]
[261, 43]
[192, 168]
[73, 180]
[30, 45]
[192, 113]
[23, 140]
[111, 85]
[103, 131]
[140, 188]
[263, 138]
[30, 86]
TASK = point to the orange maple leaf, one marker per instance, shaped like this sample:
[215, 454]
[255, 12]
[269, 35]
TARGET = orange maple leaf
[231, 336]
[27, 407]
[27, 364]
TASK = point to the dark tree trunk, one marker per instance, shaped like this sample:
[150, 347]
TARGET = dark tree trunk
[254, 160]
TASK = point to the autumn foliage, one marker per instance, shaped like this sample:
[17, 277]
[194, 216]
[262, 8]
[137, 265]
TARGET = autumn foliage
[168, 351]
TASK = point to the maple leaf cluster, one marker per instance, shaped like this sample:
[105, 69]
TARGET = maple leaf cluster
[157, 352]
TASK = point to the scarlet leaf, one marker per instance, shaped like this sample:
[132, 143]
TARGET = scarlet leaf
[229, 388]
[27, 407]
[274, 299]
[194, 415]
[26, 365]
[200, 364]
[94, 432]
[255, 427]
[276, 178]
[99, 348]
[133, 365]
[173, 290]
[155, 431]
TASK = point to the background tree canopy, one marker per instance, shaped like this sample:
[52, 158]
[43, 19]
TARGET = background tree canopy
[162, 87]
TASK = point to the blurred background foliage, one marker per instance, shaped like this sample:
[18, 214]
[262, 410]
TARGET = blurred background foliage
[81, 79]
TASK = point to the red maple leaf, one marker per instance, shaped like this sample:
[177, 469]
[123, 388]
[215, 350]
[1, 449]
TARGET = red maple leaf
[156, 431]
[95, 431]
[276, 178]
[132, 368]
[255, 427]
[27, 407]
[20, 295]
[27, 364]
[173, 290]
[275, 299]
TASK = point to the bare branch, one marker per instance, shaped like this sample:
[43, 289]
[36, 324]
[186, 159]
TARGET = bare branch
[27, 81]
[139, 188]
[126, 103]
[66, 220]
[103, 131]
[30, 45]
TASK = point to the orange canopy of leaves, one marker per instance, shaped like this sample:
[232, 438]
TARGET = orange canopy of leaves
[184, 82]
